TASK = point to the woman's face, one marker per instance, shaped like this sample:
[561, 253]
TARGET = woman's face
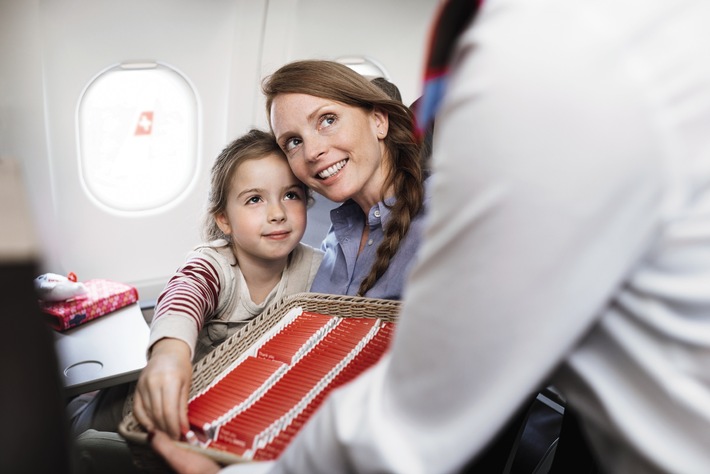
[335, 149]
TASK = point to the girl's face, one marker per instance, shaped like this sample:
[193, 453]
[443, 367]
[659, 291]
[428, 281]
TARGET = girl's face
[336, 149]
[266, 210]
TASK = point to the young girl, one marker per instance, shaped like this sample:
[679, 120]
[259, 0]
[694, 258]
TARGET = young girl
[256, 218]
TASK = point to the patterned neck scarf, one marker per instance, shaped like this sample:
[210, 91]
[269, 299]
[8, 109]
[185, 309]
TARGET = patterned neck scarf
[452, 19]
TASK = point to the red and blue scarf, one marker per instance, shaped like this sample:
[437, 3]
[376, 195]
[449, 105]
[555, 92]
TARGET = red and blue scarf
[452, 19]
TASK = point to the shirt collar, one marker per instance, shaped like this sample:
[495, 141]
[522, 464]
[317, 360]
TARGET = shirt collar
[349, 213]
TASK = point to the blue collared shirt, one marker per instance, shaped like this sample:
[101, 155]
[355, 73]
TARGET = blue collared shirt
[343, 269]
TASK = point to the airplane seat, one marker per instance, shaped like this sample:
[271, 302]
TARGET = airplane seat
[539, 434]
[527, 443]
[31, 402]
[35, 438]
[573, 453]
[549, 439]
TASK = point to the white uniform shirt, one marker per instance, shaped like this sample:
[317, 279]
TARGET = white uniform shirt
[569, 222]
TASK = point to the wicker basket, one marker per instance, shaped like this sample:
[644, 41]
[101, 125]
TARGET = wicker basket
[219, 359]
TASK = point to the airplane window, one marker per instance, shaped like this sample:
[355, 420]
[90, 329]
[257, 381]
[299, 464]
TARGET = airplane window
[137, 127]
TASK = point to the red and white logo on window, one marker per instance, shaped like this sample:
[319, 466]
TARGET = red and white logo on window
[145, 123]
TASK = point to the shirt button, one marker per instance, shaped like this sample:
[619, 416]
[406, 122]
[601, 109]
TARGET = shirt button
[370, 242]
[377, 213]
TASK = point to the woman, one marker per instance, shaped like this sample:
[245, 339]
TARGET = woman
[347, 140]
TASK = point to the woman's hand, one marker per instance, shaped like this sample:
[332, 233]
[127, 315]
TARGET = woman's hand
[163, 388]
[183, 461]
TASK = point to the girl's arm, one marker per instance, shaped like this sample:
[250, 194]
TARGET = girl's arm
[163, 388]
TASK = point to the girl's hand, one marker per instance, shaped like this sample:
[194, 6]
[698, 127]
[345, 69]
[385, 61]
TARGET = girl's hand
[163, 388]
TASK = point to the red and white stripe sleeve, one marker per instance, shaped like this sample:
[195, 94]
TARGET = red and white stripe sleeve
[189, 298]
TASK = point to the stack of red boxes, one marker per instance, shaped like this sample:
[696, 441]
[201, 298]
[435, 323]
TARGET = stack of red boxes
[256, 408]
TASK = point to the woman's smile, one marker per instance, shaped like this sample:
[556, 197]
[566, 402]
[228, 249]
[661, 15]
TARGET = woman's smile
[332, 170]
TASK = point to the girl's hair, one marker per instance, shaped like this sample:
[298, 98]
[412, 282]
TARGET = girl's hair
[334, 81]
[252, 145]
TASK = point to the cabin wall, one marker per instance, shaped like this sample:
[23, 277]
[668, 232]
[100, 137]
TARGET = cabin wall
[22, 125]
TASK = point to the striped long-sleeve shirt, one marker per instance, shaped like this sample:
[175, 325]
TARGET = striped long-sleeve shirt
[207, 299]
